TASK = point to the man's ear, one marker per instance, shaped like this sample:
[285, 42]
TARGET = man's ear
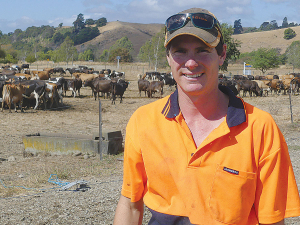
[222, 57]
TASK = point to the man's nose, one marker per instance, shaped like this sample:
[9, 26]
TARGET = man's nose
[191, 63]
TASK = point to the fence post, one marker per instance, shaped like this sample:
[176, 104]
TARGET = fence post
[291, 102]
[100, 130]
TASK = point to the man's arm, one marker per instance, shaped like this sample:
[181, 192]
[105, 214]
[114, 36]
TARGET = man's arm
[128, 212]
[279, 223]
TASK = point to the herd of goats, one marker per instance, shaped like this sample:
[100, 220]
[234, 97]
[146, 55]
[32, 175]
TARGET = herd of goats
[38, 89]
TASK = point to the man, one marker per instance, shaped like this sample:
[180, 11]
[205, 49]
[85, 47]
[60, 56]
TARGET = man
[202, 155]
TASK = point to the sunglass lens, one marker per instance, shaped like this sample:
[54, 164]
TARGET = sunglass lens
[175, 22]
[202, 20]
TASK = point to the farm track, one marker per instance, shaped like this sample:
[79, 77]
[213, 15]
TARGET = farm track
[44, 204]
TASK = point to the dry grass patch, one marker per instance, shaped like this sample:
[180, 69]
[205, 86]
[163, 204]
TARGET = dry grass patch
[23, 179]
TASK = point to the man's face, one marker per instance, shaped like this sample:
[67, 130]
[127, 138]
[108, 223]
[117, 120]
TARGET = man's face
[194, 65]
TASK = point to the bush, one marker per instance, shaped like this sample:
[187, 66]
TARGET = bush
[289, 34]
[122, 52]
[30, 59]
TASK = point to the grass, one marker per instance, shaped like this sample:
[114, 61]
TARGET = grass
[294, 148]
[67, 168]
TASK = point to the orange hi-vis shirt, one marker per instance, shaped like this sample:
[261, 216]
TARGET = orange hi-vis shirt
[240, 174]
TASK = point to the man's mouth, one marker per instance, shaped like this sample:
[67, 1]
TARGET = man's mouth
[193, 76]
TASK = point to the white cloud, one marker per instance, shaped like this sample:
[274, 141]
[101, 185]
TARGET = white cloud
[26, 19]
[22, 23]
[96, 2]
[235, 10]
[239, 2]
[151, 2]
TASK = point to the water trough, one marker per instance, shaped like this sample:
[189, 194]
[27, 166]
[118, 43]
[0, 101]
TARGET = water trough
[66, 144]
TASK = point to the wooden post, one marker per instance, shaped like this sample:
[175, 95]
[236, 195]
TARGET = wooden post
[291, 103]
[100, 130]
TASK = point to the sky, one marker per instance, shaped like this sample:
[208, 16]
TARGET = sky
[21, 14]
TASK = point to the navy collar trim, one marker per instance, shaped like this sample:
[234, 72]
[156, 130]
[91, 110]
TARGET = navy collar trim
[235, 113]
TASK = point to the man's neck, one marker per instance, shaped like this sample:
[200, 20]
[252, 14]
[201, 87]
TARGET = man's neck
[210, 105]
[203, 113]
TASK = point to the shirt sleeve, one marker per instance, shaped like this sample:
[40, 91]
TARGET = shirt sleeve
[134, 175]
[277, 194]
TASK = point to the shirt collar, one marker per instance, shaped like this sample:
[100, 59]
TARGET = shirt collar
[235, 112]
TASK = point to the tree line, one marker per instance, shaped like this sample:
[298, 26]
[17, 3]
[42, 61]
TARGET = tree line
[42, 42]
[265, 26]
[58, 44]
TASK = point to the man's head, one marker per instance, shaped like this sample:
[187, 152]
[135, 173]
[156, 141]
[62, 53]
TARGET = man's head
[196, 22]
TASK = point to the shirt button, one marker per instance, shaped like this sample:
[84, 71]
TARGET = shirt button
[192, 154]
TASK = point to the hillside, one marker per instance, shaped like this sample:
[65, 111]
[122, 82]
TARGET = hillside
[266, 39]
[137, 33]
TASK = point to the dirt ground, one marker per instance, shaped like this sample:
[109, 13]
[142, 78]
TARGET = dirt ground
[26, 196]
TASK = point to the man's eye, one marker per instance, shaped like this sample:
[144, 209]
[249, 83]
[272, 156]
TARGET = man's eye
[180, 51]
[203, 50]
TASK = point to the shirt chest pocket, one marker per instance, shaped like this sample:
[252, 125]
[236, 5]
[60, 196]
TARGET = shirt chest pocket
[232, 195]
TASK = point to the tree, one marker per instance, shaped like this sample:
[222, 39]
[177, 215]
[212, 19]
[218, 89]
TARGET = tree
[285, 23]
[238, 29]
[104, 56]
[86, 55]
[58, 38]
[264, 59]
[2, 53]
[78, 23]
[89, 22]
[269, 26]
[289, 33]
[153, 51]
[123, 42]
[101, 22]
[145, 54]
[47, 32]
[293, 54]
[17, 35]
[232, 45]
[122, 47]
[122, 52]
[67, 51]
[10, 59]
[85, 34]
[292, 24]
[265, 26]
[30, 58]
[43, 56]
[60, 25]
[250, 29]
[273, 25]
[54, 55]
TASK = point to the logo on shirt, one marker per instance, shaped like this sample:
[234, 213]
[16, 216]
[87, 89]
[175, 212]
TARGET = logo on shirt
[235, 172]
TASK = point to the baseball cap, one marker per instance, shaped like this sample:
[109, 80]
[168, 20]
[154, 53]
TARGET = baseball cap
[206, 27]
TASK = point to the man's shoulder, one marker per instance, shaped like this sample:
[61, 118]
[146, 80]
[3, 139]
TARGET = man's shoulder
[148, 115]
[153, 107]
[257, 113]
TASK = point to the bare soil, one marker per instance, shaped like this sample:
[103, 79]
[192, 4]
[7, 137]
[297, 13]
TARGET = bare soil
[26, 196]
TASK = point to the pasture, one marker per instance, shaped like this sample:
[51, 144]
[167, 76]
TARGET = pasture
[27, 197]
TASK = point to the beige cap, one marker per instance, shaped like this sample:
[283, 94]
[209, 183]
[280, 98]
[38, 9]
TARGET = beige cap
[211, 37]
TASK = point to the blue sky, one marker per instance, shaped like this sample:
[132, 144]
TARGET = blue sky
[20, 14]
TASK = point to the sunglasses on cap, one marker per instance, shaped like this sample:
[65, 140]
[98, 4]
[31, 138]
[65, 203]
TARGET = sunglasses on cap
[199, 20]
